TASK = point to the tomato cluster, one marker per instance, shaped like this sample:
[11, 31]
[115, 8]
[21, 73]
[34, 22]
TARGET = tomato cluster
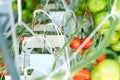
[99, 9]
[99, 14]
[28, 6]
[76, 42]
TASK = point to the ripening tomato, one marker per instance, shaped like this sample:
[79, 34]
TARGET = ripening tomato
[75, 43]
[101, 58]
[83, 74]
[88, 44]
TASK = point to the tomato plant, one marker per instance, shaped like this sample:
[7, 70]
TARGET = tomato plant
[88, 44]
[75, 43]
[108, 69]
[83, 74]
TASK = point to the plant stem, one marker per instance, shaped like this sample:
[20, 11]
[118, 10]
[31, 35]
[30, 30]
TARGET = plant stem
[75, 33]
[96, 53]
[109, 5]
[71, 37]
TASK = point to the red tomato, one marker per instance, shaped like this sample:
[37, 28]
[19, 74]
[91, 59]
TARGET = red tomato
[101, 58]
[3, 65]
[75, 43]
[88, 44]
[77, 77]
[83, 74]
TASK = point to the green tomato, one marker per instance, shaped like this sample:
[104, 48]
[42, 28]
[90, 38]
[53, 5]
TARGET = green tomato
[114, 38]
[78, 12]
[100, 17]
[30, 5]
[116, 47]
[103, 31]
[25, 12]
[14, 6]
[117, 27]
[118, 5]
[97, 5]
[82, 5]
[106, 70]
[31, 15]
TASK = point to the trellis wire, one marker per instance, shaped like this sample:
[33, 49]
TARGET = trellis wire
[56, 27]
[98, 27]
